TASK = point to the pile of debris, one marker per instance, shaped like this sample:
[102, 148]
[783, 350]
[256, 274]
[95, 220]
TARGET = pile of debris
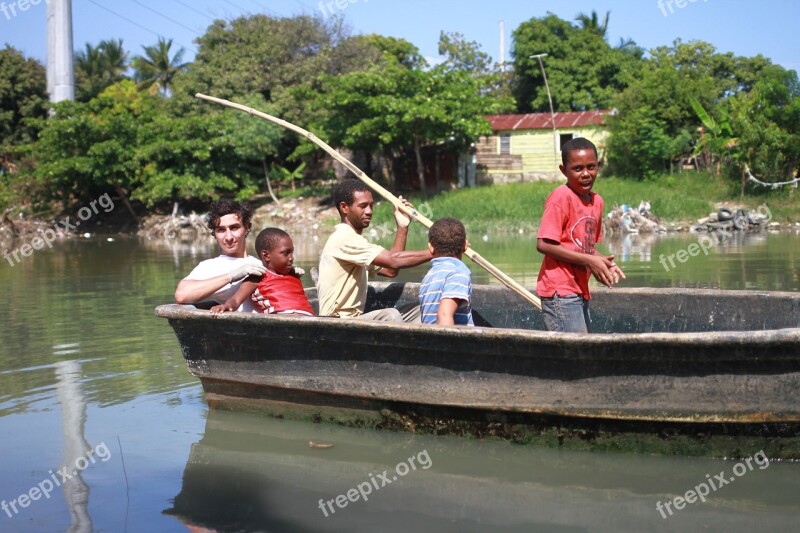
[625, 220]
[184, 227]
[726, 219]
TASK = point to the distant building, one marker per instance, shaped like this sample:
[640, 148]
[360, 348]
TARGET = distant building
[524, 148]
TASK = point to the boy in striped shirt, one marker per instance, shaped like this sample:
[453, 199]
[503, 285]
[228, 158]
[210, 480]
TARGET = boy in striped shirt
[446, 290]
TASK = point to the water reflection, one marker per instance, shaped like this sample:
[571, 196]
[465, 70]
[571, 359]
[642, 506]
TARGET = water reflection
[248, 473]
[73, 421]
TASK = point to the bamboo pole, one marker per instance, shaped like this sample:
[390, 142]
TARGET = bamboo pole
[378, 188]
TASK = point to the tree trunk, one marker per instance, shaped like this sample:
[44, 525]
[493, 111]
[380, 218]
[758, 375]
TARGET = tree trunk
[128, 206]
[420, 168]
[269, 185]
[744, 182]
[438, 172]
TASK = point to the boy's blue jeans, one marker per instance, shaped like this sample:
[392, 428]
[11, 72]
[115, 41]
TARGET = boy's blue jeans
[567, 314]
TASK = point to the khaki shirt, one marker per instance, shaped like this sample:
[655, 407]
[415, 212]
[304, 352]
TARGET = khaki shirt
[343, 267]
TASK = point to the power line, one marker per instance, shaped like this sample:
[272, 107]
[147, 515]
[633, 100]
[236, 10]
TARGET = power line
[137, 2]
[234, 5]
[123, 17]
[126, 19]
[184, 4]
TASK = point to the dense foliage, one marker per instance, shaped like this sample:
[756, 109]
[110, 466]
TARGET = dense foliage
[148, 140]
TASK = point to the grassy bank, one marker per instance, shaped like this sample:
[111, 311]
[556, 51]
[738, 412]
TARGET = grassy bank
[519, 206]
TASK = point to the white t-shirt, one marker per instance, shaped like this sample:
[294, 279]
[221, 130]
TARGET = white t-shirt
[217, 266]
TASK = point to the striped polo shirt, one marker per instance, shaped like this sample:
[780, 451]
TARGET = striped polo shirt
[448, 277]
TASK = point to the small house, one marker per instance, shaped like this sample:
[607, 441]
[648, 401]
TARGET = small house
[526, 148]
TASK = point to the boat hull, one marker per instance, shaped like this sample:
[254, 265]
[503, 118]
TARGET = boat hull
[659, 364]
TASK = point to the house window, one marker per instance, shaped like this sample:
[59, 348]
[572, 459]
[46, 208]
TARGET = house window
[505, 144]
[565, 138]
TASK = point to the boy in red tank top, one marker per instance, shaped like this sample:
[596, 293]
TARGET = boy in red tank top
[279, 291]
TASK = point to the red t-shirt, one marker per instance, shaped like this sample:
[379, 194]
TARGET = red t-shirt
[576, 224]
[280, 294]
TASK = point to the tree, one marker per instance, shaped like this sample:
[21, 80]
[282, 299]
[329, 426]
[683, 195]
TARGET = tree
[255, 139]
[87, 149]
[99, 67]
[655, 110]
[156, 69]
[584, 72]
[467, 56]
[23, 97]
[592, 23]
[766, 121]
[394, 107]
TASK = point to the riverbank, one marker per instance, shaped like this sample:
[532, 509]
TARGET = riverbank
[676, 203]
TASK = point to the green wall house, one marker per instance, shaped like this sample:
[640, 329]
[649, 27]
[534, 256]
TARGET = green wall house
[524, 147]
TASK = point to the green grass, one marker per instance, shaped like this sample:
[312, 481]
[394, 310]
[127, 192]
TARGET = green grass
[681, 197]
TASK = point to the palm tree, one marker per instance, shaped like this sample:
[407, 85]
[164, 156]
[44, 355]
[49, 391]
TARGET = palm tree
[629, 46]
[115, 58]
[155, 69]
[592, 23]
[98, 67]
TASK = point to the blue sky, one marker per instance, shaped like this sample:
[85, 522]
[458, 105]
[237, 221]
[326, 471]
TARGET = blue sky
[744, 27]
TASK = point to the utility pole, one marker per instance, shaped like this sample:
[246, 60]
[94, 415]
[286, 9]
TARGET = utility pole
[60, 69]
[552, 112]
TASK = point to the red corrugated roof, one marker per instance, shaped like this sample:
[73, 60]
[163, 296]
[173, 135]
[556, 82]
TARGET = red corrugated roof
[538, 121]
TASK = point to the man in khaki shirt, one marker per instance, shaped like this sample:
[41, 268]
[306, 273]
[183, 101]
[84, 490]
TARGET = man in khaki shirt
[348, 258]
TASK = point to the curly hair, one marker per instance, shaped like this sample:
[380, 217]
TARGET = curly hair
[578, 143]
[346, 189]
[448, 237]
[219, 209]
[268, 238]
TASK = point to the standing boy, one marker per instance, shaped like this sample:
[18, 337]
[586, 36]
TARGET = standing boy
[571, 226]
[446, 290]
[279, 291]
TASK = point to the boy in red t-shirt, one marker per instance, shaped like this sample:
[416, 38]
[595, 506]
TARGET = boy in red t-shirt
[279, 291]
[571, 226]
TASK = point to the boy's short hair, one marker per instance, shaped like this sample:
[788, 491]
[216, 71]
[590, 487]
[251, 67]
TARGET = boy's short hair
[346, 189]
[219, 209]
[448, 237]
[268, 238]
[578, 143]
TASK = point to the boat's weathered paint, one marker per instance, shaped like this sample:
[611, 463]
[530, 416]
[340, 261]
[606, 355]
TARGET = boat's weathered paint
[697, 357]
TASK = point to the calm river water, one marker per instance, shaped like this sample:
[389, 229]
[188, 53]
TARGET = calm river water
[104, 429]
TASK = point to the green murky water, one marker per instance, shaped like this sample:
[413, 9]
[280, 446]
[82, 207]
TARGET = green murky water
[84, 365]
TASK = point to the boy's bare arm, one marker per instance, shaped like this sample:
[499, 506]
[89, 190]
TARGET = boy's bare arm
[233, 303]
[603, 267]
[445, 316]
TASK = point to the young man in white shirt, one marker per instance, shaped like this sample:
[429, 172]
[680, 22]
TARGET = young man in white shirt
[217, 279]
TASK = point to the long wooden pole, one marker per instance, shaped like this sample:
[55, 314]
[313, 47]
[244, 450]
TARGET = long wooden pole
[422, 219]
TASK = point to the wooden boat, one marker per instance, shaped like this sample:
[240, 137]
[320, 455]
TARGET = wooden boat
[670, 368]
